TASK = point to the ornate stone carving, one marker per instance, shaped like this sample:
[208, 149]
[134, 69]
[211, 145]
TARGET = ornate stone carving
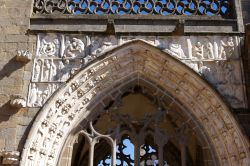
[220, 8]
[10, 157]
[39, 93]
[176, 49]
[100, 44]
[74, 48]
[49, 70]
[226, 48]
[198, 51]
[23, 56]
[17, 101]
[37, 70]
[48, 48]
[59, 57]
[66, 108]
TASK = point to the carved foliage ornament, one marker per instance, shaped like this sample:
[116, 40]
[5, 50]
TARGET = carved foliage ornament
[161, 7]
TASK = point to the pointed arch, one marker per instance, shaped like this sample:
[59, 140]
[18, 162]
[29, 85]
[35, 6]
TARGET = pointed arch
[137, 59]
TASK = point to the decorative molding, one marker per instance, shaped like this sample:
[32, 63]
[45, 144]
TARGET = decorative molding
[71, 104]
[10, 157]
[23, 56]
[17, 101]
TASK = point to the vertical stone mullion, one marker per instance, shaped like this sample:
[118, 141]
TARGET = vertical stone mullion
[114, 153]
[137, 154]
[91, 153]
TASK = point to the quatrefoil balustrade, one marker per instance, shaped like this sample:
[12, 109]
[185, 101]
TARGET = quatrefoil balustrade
[221, 8]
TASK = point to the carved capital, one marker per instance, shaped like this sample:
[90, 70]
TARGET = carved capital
[23, 56]
[17, 101]
[10, 157]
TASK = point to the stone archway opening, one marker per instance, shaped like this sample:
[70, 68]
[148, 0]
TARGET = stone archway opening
[70, 110]
[145, 126]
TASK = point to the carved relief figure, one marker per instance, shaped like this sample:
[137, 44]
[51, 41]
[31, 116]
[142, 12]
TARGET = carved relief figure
[63, 71]
[210, 48]
[176, 48]
[52, 71]
[199, 50]
[226, 48]
[37, 70]
[74, 49]
[47, 67]
[49, 70]
[33, 95]
[216, 50]
[95, 46]
[60, 70]
[48, 48]
[37, 97]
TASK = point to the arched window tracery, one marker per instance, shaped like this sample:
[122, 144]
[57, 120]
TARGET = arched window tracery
[138, 129]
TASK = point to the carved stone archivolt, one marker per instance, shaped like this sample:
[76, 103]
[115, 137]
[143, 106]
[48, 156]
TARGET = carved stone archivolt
[140, 60]
[216, 58]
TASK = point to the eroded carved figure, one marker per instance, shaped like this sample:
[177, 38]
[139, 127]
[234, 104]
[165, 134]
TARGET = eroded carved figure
[48, 48]
[226, 48]
[39, 95]
[95, 46]
[210, 47]
[176, 49]
[63, 71]
[99, 45]
[37, 70]
[49, 70]
[74, 48]
[198, 51]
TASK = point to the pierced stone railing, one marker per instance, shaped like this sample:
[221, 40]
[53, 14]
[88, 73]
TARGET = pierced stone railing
[222, 8]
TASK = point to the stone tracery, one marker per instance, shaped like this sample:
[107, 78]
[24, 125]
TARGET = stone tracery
[144, 66]
[163, 7]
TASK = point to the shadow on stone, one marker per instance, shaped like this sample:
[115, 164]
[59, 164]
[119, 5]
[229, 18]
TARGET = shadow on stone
[6, 111]
[10, 67]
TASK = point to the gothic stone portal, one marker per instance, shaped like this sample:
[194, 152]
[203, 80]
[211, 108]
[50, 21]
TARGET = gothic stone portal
[108, 77]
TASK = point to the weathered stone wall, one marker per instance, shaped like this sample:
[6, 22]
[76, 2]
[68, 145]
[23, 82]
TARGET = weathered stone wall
[246, 10]
[14, 75]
